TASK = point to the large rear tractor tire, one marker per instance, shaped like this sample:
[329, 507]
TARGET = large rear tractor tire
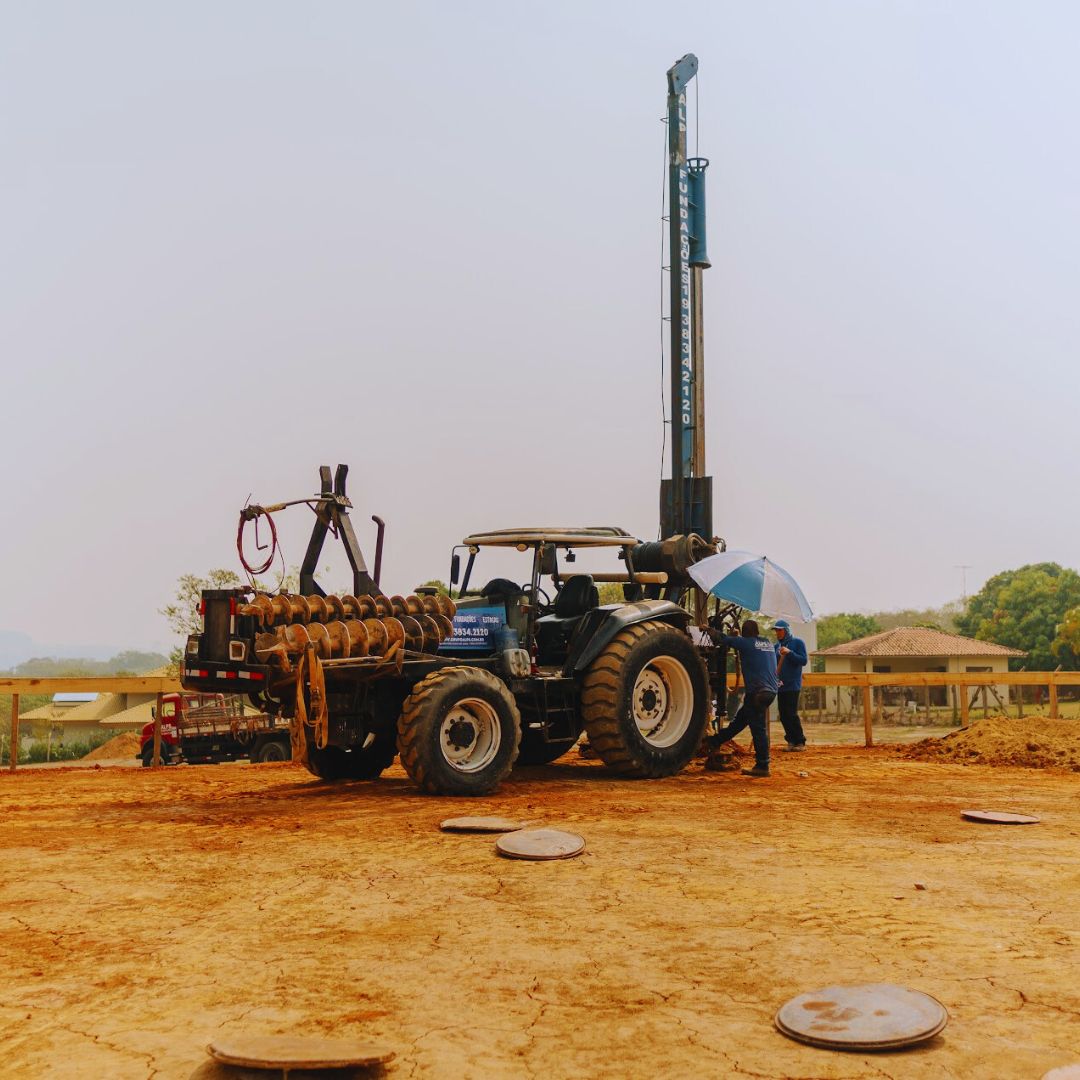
[334, 763]
[535, 751]
[645, 701]
[459, 732]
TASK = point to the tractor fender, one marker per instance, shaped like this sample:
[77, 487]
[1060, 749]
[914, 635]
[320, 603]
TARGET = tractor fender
[602, 624]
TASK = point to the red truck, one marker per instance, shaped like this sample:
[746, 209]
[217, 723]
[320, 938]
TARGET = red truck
[204, 729]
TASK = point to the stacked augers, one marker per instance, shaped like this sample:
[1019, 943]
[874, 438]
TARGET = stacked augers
[347, 627]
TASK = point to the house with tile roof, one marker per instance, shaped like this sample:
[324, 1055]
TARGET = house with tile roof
[915, 649]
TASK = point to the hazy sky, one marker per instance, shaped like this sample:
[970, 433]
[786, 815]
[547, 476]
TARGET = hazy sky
[244, 239]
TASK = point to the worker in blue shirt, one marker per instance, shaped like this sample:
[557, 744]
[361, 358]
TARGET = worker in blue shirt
[759, 673]
[790, 661]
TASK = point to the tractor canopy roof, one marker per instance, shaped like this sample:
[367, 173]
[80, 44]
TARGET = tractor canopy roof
[593, 536]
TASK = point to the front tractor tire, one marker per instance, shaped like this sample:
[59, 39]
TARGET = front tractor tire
[459, 732]
[645, 701]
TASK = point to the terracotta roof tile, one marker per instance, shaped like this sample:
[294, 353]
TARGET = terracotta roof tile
[918, 641]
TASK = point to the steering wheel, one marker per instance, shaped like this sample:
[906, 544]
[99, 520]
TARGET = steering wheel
[540, 595]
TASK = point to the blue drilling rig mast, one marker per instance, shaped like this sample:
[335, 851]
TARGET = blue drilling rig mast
[686, 499]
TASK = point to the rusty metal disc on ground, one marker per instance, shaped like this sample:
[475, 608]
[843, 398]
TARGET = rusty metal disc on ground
[297, 1052]
[481, 824]
[998, 817]
[875, 1016]
[540, 844]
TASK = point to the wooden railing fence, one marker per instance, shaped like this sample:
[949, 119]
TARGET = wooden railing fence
[864, 681]
[101, 684]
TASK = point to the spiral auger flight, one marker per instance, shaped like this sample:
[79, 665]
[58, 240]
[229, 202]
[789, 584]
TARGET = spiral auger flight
[344, 627]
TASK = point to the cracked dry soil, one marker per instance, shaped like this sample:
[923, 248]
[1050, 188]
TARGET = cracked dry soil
[142, 913]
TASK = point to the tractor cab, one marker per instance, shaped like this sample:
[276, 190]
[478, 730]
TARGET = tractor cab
[521, 588]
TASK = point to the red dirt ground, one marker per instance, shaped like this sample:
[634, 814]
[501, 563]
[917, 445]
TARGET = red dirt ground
[143, 912]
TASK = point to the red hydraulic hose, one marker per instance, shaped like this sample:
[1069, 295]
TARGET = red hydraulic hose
[246, 516]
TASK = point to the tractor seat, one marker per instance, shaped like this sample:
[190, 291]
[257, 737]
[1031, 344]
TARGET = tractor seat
[554, 631]
[577, 596]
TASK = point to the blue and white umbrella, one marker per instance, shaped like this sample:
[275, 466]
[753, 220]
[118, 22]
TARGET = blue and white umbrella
[754, 583]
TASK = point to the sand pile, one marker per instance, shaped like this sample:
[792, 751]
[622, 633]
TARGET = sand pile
[1036, 742]
[124, 745]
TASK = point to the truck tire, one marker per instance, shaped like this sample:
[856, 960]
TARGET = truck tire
[148, 754]
[535, 751]
[645, 701]
[459, 732]
[271, 750]
[334, 763]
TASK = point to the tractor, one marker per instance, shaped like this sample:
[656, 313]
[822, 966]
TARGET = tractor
[513, 671]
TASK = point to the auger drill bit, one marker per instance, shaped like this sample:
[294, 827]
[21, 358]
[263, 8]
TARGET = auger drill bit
[346, 626]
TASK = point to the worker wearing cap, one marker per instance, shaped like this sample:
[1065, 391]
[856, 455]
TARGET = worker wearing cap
[790, 661]
[759, 673]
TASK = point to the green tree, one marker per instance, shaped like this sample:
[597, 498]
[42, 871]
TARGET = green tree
[438, 586]
[1066, 646]
[135, 661]
[182, 614]
[1024, 609]
[131, 662]
[939, 618]
[611, 592]
[844, 626]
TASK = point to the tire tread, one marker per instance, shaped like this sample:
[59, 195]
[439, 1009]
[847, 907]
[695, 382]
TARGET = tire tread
[603, 689]
[411, 724]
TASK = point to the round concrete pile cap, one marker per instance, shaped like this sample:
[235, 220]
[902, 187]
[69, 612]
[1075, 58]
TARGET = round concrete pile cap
[998, 817]
[876, 1016]
[297, 1052]
[540, 844]
[481, 824]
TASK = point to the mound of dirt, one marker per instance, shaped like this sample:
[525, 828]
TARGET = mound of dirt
[124, 745]
[1035, 742]
[725, 758]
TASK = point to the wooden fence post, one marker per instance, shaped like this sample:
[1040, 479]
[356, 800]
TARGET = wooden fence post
[1053, 695]
[868, 713]
[965, 704]
[157, 732]
[14, 733]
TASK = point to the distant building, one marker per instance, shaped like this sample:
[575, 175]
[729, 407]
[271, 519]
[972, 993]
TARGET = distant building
[68, 715]
[917, 649]
[73, 717]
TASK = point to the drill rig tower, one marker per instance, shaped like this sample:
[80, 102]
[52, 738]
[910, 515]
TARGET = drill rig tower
[686, 499]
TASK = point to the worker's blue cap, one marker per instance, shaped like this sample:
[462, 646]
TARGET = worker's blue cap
[781, 624]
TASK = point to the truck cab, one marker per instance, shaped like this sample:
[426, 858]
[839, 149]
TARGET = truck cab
[171, 710]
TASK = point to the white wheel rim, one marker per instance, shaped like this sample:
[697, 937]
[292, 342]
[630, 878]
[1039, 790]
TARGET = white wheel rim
[663, 701]
[470, 735]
